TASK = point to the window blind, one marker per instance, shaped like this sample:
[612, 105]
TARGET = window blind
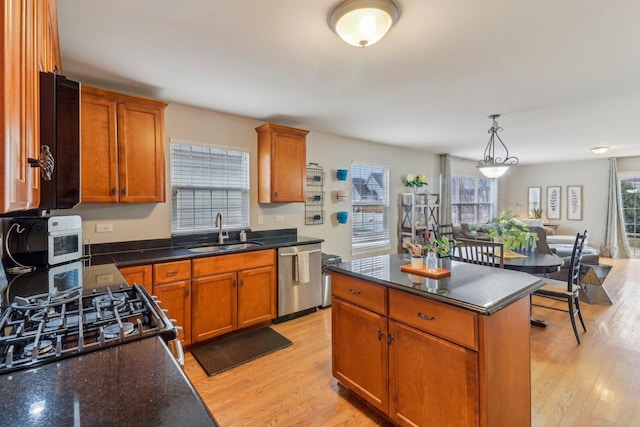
[472, 199]
[370, 207]
[206, 180]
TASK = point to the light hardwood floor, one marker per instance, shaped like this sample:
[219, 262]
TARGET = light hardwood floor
[596, 383]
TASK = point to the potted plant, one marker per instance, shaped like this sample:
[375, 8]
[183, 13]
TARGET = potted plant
[536, 213]
[514, 235]
[442, 247]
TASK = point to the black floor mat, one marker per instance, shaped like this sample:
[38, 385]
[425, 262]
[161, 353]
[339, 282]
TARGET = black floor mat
[233, 351]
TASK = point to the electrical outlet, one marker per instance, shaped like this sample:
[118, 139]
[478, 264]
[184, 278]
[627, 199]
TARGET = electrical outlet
[260, 219]
[279, 218]
[104, 228]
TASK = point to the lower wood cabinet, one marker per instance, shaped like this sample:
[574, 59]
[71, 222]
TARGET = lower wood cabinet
[232, 292]
[175, 297]
[431, 381]
[141, 275]
[360, 351]
[172, 286]
[425, 363]
[227, 292]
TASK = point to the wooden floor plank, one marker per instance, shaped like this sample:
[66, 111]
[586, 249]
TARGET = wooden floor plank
[596, 383]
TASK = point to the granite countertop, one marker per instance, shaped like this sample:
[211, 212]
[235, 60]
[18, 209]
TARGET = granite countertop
[127, 256]
[135, 384]
[481, 289]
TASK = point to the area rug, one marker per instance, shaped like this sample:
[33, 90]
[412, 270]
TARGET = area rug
[230, 352]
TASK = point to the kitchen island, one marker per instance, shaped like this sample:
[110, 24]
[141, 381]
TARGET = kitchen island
[452, 351]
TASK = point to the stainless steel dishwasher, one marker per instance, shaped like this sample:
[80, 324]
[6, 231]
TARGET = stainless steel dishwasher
[296, 298]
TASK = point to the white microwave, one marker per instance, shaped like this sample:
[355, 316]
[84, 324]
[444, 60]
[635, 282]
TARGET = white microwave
[46, 240]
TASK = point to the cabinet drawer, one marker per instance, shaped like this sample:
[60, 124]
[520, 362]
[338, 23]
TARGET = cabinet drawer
[451, 323]
[209, 266]
[171, 271]
[359, 292]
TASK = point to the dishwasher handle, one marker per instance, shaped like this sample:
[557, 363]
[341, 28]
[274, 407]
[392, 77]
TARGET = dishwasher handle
[296, 253]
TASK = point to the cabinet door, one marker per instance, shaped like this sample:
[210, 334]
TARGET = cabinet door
[140, 275]
[256, 296]
[360, 352]
[176, 298]
[420, 365]
[16, 173]
[288, 169]
[141, 153]
[215, 303]
[98, 148]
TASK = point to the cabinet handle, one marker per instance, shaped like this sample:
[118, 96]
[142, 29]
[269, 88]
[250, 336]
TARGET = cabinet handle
[235, 282]
[186, 292]
[380, 334]
[389, 338]
[172, 273]
[124, 191]
[275, 194]
[425, 317]
[242, 281]
[113, 191]
[351, 291]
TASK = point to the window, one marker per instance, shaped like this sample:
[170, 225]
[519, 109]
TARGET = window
[472, 199]
[206, 180]
[630, 194]
[370, 207]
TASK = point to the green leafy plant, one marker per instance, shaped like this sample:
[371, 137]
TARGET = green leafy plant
[441, 246]
[536, 213]
[514, 235]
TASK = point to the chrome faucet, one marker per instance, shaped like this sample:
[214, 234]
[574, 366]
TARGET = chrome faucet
[221, 237]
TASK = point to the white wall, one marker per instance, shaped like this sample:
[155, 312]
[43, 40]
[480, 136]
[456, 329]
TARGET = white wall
[153, 221]
[592, 175]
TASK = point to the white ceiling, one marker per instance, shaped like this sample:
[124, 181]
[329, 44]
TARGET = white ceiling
[564, 74]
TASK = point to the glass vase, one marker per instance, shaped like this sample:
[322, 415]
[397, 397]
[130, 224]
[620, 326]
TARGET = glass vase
[432, 262]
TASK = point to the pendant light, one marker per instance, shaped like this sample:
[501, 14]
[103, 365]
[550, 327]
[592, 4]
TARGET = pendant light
[362, 23]
[490, 165]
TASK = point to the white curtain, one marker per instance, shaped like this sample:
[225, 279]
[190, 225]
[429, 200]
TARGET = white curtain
[445, 189]
[615, 243]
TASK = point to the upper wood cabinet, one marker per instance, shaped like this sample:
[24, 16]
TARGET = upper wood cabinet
[122, 148]
[282, 159]
[30, 45]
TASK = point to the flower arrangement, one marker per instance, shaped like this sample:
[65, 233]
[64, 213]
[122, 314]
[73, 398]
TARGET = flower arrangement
[416, 180]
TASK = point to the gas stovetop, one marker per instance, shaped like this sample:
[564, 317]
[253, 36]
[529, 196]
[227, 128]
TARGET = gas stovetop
[47, 327]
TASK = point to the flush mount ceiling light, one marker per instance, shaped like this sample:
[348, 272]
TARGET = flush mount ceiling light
[492, 166]
[362, 23]
[599, 150]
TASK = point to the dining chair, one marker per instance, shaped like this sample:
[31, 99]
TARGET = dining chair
[443, 230]
[481, 252]
[567, 290]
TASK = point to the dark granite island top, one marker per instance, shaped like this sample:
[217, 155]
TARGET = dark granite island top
[484, 290]
[135, 384]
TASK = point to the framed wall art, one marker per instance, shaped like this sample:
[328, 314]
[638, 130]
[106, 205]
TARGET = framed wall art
[574, 202]
[554, 202]
[534, 202]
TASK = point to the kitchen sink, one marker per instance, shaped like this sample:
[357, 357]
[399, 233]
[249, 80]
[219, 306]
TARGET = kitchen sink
[225, 247]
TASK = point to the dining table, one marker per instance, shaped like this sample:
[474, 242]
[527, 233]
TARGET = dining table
[536, 263]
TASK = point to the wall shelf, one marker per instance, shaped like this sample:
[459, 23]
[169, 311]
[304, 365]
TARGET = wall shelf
[314, 201]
